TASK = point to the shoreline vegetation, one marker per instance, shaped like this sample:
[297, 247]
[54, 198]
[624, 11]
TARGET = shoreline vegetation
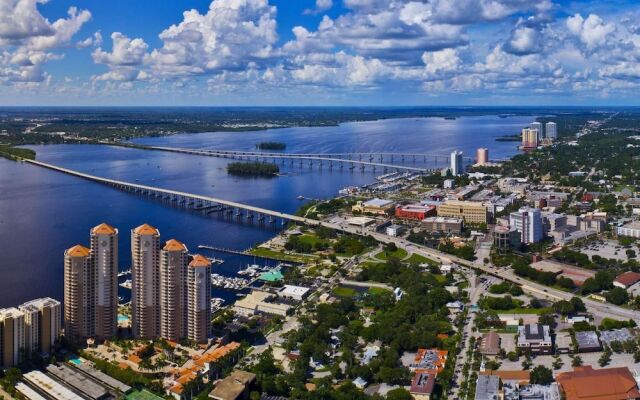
[16, 153]
[253, 169]
[271, 146]
[55, 125]
[508, 138]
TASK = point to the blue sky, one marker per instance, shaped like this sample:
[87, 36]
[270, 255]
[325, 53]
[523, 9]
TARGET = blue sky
[319, 52]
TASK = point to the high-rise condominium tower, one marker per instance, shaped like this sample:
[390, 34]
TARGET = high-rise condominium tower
[174, 262]
[145, 276]
[538, 127]
[199, 305]
[79, 297]
[104, 254]
[42, 319]
[456, 163]
[482, 156]
[552, 130]
[13, 337]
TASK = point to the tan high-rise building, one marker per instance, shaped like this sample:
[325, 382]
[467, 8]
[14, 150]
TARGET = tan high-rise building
[470, 211]
[174, 261]
[145, 277]
[199, 305]
[42, 320]
[482, 156]
[104, 253]
[79, 298]
[530, 138]
[12, 337]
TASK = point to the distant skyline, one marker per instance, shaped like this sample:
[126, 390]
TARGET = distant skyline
[319, 52]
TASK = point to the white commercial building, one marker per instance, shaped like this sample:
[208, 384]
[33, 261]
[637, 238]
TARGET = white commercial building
[294, 292]
[456, 163]
[551, 130]
[395, 230]
[632, 229]
[527, 221]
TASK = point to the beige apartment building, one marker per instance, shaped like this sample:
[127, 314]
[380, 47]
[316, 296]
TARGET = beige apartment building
[104, 254]
[12, 336]
[79, 284]
[145, 277]
[42, 320]
[199, 299]
[174, 261]
[470, 211]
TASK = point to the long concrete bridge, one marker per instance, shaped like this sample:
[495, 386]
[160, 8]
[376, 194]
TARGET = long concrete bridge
[341, 161]
[206, 204]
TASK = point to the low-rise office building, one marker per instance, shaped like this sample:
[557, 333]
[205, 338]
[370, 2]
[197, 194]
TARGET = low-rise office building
[395, 230]
[632, 230]
[470, 211]
[374, 206]
[233, 387]
[587, 341]
[535, 338]
[442, 224]
[422, 385]
[488, 388]
[416, 212]
[258, 302]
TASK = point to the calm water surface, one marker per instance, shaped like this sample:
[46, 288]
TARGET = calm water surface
[43, 212]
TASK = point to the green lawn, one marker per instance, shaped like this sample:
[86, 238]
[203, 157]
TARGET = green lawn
[299, 258]
[378, 291]
[440, 278]
[418, 259]
[310, 239]
[142, 395]
[342, 291]
[398, 253]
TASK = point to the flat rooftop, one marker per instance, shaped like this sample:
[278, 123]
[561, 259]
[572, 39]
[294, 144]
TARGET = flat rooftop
[102, 377]
[78, 381]
[52, 388]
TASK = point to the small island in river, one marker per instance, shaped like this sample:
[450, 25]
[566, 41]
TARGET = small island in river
[271, 146]
[253, 169]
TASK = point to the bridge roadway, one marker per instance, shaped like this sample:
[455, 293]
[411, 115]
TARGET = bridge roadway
[284, 156]
[173, 194]
[597, 308]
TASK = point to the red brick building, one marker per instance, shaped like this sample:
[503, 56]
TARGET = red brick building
[415, 212]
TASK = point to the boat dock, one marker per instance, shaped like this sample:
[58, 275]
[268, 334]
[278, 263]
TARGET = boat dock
[243, 253]
[225, 250]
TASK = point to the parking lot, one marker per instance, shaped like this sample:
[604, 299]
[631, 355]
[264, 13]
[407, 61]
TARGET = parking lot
[606, 249]
[617, 360]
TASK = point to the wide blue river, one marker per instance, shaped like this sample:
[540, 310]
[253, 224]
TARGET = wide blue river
[44, 212]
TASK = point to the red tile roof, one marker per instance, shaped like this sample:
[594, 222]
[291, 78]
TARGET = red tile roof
[78, 251]
[423, 382]
[104, 229]
[199, 261]
[628, 278]
[586, 383]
